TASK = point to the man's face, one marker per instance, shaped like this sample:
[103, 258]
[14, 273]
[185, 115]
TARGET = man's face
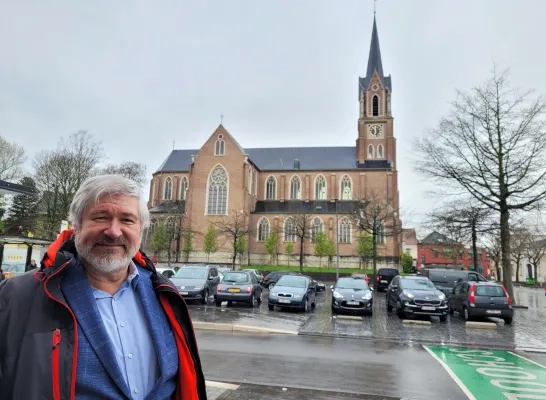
[108, 236]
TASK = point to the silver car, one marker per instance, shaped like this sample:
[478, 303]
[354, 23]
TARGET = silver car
[239, 286]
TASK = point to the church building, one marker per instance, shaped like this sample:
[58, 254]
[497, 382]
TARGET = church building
[265, 187]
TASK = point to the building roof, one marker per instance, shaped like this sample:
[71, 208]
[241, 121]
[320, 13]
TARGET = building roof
[438, 238]
[375, 64]
[282, 159]
[301, 206]
[169, 206]
[14, 188]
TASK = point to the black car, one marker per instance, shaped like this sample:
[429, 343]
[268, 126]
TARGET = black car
[384, 277]
[197, 281]
[416, 295]
[446, 279]
[270, 280]
[350, 294]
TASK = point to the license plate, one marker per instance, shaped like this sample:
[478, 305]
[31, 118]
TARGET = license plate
[493, 311]
[184, 293]
[353, 303]
[284, 301]
[234, 290]
[428, 308]
[383, 281]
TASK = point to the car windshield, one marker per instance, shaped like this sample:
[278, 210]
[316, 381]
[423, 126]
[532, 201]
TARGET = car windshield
[236, 277]
[360, 276]
[13, 268]
[351, 284]
[192, 273]
[418, 284]
[489, 290]
[292, 281]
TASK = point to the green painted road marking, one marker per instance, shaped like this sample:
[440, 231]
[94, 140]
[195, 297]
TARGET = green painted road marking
[492, 374]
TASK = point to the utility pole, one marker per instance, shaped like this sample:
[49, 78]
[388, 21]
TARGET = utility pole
[337, 240]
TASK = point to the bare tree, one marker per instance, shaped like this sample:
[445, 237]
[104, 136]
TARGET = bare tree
[299, 225]
[535, 250]
[12, 157]
[59, 174]
[492, 244]
[178, 226]
[232, 228]
[129, 169]
[464, 221]
[519, 239]
[492, 147]
[377, 215]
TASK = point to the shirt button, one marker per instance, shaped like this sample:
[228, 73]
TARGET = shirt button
[130, 355]
[122, 324]
[136, 390]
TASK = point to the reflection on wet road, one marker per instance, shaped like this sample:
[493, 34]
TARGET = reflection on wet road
[527, 330]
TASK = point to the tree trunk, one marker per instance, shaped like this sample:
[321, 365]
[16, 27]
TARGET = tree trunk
[374, 255]
[535, 267]
[518, 261]
[474, 245]
[177, 255]
[505, 246]
[233, 261]
[301, 255]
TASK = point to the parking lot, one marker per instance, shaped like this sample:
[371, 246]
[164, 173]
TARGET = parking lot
[527, 331]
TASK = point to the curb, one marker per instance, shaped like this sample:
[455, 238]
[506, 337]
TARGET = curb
[520, 307]
[480, 325]
[221, 385]
[416, 322]
[215, 326]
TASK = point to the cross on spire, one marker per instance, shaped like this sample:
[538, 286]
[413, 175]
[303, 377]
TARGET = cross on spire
[221, 119]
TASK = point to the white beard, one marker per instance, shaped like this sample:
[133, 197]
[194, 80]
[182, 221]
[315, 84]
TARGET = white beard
[108, 261]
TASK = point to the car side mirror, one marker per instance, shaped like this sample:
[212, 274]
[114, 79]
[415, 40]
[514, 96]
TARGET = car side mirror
[211, 278]
[371, 289]
[394, 287]
[331, 286]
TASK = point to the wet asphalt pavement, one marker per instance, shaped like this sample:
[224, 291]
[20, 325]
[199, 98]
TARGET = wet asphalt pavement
[347, 369]
[527, 331]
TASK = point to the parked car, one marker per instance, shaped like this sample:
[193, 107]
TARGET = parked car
[239, 286]
[197, 281]
[361, 276]
[256, 273]
[384, 278]
[293, 291]
[481, 299]
[270, 280]
[321, 287]
[446, 279]
[11, 270]
[352, 294]
[416, 295]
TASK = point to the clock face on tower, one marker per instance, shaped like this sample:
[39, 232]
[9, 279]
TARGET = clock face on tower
[375, 131]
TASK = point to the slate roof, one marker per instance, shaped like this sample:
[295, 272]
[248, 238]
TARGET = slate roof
[438, 238]
[169, 206]
[282, 159]
[301, 206]
[374, 64]
[14, 188]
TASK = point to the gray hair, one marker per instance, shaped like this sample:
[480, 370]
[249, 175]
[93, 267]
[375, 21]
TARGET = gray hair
[97, 186]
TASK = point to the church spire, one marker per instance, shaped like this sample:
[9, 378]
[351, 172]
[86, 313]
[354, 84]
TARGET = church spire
[375, 64]
[374, 59]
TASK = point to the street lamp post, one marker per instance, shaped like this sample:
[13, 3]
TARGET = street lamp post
[337, 240]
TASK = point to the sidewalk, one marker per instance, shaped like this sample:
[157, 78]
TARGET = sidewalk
[258, 392]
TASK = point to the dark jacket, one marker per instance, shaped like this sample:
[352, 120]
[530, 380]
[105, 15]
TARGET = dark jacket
[35, 363]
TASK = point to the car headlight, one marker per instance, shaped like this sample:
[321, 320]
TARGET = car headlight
[337, 295]
[367, 296]
[442, 296]
[297, 296]
[409, 294]
[272, 294]
[200, 287]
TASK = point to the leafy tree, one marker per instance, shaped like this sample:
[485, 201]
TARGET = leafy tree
[407, 262]
[289, 249]
[188, 244]
[160, 239]
[12, 158]
[301, 228]
[210, 244]
[130, 169]
[232, 229]
[271, 245]
[365, 247]
[331, 250]
[241, 248]
[23, 211]
[321, 243]
[491, 146]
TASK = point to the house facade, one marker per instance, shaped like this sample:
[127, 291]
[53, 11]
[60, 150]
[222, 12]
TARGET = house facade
[436, 249]
[266, 187]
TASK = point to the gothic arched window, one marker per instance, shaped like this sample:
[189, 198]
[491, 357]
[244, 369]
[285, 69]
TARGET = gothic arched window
[320, 188]
[345, 188]
[289, 230]
[344, 230]
[380, 151]
[375, 105]
[168, 190]
[295, 188]
[263, 229]
[370, 151]
[217, 192]
[271, 188]
[183, 188]
[316, 227]
[220, 147]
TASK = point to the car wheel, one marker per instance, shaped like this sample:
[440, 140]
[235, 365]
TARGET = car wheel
[251, 303]
[451, 310]
[466, 314]
[259, 299]
[399, 310]
[443, 318]
[205, 298]
[218, 303]
[271, 308]
[508, 320]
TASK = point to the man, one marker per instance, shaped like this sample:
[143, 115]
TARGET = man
[31, 266]
[96, 321]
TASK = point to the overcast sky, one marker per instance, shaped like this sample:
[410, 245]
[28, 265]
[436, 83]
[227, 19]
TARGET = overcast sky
[140, 74]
